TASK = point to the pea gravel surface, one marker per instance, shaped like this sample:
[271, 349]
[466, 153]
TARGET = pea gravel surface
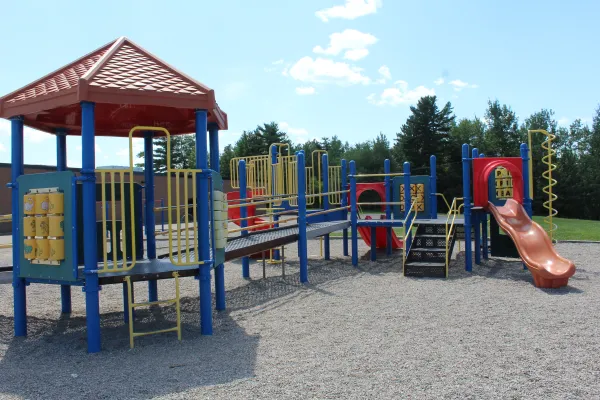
[350, 333]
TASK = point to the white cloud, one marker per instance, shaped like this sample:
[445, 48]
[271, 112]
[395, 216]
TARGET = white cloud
[460, 85]
[274, 66]
[297, 135]
[350, 10]
[352, 42]
[564, 121]
[384, 71]
[399, 94]
[2, 148]
[303, 91]
[322, 70]
[439, 81]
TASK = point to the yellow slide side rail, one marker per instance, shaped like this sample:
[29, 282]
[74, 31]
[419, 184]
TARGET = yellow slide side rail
[408, 230]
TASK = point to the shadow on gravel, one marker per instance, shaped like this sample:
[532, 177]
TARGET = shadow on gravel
[52, 361]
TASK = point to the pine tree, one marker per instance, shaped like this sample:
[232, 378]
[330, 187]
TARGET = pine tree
[426, 132]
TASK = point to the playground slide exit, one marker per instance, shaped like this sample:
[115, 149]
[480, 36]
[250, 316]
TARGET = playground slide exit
[381, 236]
[548, 268]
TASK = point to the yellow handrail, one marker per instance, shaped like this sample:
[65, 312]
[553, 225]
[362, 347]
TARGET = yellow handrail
[408, 231]
[444, 198]
[453, 211]
[546, 159]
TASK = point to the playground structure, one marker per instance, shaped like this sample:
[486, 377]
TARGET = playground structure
[121, 90]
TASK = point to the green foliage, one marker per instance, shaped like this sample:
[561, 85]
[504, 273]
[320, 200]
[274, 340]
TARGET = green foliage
[183, 153]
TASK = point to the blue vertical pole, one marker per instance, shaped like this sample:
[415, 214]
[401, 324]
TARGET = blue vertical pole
[433, 187]
[325, 172]
[527, 202]
[150, 216]
[387, 168]
[302, 239]
[61, 165]
[353, 214]
[476, 223]
[407, 203]
[244, 214]
[213, 139]
[203, 223]
[467, 208]
[484, 229]
[17, 169]
[90, 256]
[274, 186]
[344, 203]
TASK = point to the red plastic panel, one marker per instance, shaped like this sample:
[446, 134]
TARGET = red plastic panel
[483, 168]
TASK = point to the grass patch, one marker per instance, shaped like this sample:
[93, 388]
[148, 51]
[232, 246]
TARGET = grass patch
[568, 229]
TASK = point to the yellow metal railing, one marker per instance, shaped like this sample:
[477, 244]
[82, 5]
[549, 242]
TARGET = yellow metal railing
[547, 174]
[453, 211]
[118, 236]
[131, 305]
[186, 246]
[408, 230]
[443, 198]
[335, 184]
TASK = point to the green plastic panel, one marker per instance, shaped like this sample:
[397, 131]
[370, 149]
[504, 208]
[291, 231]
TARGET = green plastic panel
[67, 270]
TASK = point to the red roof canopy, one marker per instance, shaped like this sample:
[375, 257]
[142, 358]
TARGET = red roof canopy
[129, 86]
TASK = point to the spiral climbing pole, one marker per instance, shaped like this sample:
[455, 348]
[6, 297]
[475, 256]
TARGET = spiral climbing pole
[547, 174]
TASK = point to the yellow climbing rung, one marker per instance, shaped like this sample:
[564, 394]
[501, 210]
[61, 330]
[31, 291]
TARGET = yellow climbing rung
[131, 305]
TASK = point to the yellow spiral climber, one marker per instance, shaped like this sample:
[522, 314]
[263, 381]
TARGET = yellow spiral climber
[547, 160]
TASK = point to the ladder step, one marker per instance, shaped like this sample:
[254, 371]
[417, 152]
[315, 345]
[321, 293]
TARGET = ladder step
[434, 249]
[426, 235]
[425, 264]
[174, 329]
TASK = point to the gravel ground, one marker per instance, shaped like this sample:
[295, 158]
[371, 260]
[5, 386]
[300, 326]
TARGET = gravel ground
[351, 333]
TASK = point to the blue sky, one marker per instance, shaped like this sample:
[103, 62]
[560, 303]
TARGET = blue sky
[320, 68]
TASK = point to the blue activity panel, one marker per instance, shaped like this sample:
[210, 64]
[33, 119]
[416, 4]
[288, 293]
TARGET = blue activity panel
[47, 223]
[419, 188]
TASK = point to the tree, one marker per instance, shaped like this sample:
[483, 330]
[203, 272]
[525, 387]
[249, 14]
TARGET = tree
[502, 137]
[183, 153]
[425, 133]
[224, 161]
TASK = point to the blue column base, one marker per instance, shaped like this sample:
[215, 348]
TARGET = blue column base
[246, 267]
[345, 242]
[327, 247]
[153, 290]
[220, 287]
[206, 325]
[65, 299]
[92, 312]
[20, 307]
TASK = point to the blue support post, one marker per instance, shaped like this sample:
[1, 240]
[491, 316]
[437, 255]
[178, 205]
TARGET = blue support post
[527, 202]
[433, 187]
[373, 232]
[244, 214]
[126, 302]
[61, 165]
[302, 239]
[273, 150]
[353, 214]
[484, 229]
[19, 285]
[466, 161]
[387, 168]
[203, 223]
[325, 172]
[90, 256]
[477, 223]
[150, 219]
[213, 139]
[407, 203]
[344, 203]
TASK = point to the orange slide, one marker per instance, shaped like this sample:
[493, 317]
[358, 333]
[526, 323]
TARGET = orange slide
[365, 234]
[548, 268]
